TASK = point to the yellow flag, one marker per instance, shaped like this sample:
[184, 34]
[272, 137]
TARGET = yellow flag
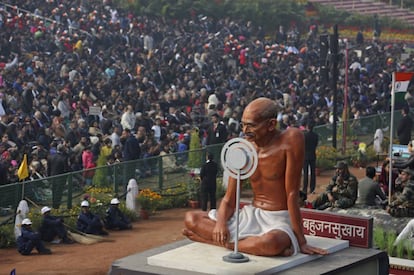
[23, 171]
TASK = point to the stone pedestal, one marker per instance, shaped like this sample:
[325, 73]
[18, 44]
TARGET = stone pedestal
[209, 259]
[186, 257]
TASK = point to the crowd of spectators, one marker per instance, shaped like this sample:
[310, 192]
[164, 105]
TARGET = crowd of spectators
[88, 76]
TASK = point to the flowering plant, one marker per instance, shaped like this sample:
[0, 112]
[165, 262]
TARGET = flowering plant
[325, 157]
[148, 199]
[361, 158]
[193, 186]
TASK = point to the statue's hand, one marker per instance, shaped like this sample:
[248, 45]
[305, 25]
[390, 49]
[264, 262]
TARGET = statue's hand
[308, 249]
[221, 234]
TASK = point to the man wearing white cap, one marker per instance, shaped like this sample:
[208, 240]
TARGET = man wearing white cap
[88, 222]
[30, 239]
[115, 219]
[53, 227]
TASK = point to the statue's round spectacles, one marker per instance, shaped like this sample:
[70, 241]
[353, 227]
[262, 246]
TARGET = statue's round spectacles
[252, 125]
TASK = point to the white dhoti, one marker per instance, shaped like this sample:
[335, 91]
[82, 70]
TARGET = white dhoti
[256, 222]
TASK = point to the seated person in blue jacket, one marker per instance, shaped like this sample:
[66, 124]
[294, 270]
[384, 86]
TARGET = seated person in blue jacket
[88, 222]
[115, 219]
[30, 239]
[53, 227]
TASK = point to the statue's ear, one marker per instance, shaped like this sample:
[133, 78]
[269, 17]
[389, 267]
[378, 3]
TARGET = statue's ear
[272, 123]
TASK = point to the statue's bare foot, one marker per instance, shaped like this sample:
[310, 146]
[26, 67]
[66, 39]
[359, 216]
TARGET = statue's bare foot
[287, 252]
[194, 237]
[187, 233]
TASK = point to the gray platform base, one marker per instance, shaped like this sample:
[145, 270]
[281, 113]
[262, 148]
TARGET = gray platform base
[345, 261]
[209, 259]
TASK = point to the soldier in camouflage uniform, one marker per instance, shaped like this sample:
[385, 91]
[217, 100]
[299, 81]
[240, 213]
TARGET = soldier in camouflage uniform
[341, 192]
[402, 204]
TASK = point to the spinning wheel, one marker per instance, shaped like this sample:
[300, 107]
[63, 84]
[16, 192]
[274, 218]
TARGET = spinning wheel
[239, 159]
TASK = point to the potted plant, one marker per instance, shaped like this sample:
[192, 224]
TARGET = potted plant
[193, 189]
[148, 200]
[360, 159]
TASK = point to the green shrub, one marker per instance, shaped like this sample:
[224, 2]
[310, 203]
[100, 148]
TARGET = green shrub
[409, 252]
[174, 197]
[379, 238]
[7, 236]
[391, 236]
[195, 156]
[130, 214]
[326, 157]
[400, 250]
[102, 172]
[385, 240]
[193, 187]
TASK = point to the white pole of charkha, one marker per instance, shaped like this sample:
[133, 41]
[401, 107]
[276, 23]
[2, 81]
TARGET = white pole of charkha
[239, 159]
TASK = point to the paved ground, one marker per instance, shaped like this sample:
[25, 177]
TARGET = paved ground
[162, 228]
[165, 227]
